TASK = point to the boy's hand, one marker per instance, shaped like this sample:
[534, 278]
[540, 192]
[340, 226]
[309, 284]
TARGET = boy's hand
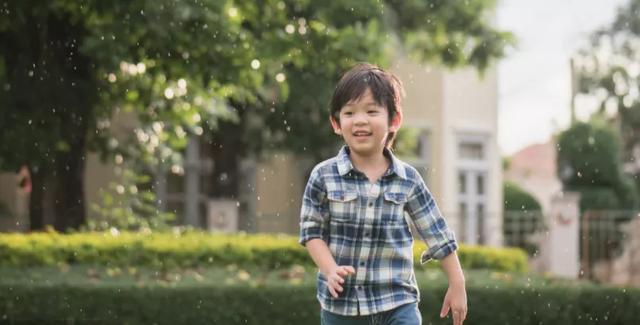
[456, 300]
[335, 278]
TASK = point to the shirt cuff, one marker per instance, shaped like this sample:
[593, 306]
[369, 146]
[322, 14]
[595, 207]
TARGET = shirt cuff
[440, 252]
[308, 234]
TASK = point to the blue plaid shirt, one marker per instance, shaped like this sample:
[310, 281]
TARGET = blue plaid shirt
[364, 226]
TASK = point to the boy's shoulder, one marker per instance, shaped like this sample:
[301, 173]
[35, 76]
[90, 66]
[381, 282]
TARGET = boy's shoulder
[326, 167]
[410, 172]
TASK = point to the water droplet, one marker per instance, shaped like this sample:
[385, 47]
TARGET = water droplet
[289, 29]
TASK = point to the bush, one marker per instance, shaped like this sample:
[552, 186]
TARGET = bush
[189, 249]
[522, 217]
[517, 199]
[296, 304]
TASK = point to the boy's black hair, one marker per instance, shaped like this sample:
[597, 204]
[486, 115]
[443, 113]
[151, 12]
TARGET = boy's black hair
[386, 90]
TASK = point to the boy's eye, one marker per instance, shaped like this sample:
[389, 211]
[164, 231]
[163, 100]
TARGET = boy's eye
[347, 113]
[372, 111]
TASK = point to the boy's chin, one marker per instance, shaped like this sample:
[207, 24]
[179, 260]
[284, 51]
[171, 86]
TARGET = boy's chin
[364, 149]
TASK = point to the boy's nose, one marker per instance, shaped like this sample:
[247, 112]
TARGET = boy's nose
[360, 119]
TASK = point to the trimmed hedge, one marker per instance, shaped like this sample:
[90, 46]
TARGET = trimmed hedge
[190, 249]
[277, 304]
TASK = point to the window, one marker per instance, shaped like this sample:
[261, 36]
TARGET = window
[472, 177]
[462, 183]
[471, 151]
[480, 184]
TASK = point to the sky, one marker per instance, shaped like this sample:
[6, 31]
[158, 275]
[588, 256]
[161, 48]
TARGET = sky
[534, 83]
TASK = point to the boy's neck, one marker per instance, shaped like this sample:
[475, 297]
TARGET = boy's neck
[373, 166]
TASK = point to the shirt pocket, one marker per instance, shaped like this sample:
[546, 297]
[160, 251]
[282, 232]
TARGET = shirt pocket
[396, 232]
[343, 205]
[393, 209]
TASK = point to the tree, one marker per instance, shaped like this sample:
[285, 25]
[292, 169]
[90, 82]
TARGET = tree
[253, 75]
[589, 163]
[608, 72]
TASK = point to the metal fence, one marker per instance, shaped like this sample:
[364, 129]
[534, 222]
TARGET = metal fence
[523, 229]
[603, 239]
[604, 236]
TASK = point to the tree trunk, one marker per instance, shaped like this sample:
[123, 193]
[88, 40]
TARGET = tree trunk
[36, 215]
[69, 195]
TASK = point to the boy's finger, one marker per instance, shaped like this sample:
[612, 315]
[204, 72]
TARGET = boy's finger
[457, 317]
[333, 292]
[350, 269]
[445, 310]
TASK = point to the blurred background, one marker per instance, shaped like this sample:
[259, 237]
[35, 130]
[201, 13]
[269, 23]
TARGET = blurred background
[162, 148]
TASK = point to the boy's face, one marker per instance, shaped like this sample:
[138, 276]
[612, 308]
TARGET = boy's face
[364, 125]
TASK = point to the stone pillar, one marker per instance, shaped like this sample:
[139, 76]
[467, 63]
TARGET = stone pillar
[562, 248]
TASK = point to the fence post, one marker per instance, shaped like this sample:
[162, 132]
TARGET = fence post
[564, 235]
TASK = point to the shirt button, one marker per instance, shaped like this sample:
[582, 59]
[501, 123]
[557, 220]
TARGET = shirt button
[362, 263]
[370, 204]
[366, 234]
[359, 287]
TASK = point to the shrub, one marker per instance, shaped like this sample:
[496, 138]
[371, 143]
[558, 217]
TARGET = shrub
[189, 249]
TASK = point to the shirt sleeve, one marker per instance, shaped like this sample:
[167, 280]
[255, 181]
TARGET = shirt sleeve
[430, 224]
[314, 216]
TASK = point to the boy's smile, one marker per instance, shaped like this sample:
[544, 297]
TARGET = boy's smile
[364, 125]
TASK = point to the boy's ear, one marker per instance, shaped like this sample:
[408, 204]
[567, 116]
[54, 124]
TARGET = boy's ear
[396, 122]
[335, 125]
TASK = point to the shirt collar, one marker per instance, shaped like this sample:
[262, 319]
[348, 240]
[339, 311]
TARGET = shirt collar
[345, 165]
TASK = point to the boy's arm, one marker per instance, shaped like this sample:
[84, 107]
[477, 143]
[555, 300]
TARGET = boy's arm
[456, 297]
[430, 224]
[321, 255]
[314, 219]
[453, 270]
[442, 246]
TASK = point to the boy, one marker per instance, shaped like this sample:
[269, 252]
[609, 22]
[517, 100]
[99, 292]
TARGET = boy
[352, 217]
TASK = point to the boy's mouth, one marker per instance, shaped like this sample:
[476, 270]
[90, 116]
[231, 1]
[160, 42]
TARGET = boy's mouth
[361, 134]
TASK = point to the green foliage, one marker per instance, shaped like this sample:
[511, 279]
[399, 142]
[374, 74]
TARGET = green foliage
[190, 249]
[517, 199]
[181, 68]
[284, 55]
[607, 72]
[522, 217]
[129, 204]
[450, 32]
[499, 259]
[506, 163]
[597, 198]
[287, 303]
[406, 142]
[588, 154]
[589, 162]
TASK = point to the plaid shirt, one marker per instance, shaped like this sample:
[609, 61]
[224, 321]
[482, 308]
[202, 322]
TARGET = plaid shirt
[364, 226]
